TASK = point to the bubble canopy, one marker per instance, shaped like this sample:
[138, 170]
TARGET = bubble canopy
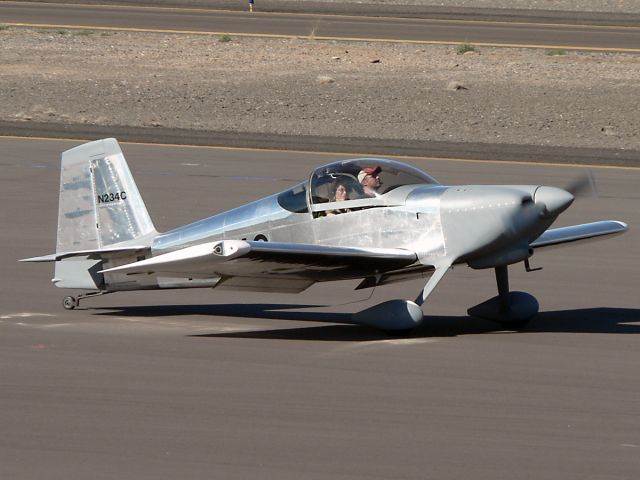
[384, 176]
[347, 176]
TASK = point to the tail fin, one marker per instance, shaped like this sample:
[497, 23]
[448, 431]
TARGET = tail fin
[100, 204]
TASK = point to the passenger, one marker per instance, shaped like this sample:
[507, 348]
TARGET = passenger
[339, 193]
[370, 181]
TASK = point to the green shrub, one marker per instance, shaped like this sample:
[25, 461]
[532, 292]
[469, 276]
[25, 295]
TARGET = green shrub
[464, 48]
[224, 39]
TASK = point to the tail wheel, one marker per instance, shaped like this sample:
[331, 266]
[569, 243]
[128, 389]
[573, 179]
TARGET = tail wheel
[69, 303]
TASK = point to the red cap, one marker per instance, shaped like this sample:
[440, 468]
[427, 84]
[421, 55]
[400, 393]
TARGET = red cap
[368, 171]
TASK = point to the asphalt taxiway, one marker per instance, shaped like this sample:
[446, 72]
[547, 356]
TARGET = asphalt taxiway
[603, 37]
[204, 384]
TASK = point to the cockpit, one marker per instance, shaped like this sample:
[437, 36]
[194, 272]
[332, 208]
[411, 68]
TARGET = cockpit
[351, 185]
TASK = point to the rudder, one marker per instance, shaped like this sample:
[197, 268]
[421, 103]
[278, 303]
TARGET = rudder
[99, 203]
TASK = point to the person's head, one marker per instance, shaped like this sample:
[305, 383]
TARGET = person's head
[369, 178]
[339, 190]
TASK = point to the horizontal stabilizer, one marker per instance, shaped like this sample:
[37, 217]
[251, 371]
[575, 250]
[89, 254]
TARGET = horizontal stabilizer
[99, 253]
[574, 233]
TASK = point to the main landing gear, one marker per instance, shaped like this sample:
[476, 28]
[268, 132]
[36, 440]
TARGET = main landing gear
[69, 302]
[512, 310]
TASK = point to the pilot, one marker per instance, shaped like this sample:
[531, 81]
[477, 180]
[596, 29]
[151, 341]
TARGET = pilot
[339, 193]
[370, 180]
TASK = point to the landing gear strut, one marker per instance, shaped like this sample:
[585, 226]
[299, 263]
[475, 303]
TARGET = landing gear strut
[69, 302]
[510, 309]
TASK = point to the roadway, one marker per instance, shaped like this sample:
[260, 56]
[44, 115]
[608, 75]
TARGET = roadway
[202, 384]
[283, 25]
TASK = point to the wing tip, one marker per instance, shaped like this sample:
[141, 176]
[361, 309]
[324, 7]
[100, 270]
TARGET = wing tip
[624, 226]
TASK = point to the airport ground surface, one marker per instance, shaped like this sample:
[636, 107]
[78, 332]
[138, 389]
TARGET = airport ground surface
[203, 384]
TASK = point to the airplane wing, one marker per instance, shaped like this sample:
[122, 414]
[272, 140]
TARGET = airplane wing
[574, 233]
[240, 258]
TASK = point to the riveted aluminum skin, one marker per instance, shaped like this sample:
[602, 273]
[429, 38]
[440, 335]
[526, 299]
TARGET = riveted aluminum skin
[365, 225]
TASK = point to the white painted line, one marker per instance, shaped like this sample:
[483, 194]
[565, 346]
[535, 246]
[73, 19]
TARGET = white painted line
[25, 315]
[398, 341]
[391, 342]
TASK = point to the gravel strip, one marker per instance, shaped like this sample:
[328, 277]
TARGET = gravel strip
[320, 88]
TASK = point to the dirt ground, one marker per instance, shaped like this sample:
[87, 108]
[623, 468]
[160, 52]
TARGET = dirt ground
[370, 90]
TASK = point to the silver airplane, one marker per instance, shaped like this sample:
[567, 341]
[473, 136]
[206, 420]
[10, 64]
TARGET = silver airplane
[372, 219]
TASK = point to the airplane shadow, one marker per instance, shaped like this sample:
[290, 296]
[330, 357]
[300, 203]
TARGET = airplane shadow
[588, 320]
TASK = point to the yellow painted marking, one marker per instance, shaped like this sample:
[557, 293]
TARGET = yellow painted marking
[346, 154]
[341, 39]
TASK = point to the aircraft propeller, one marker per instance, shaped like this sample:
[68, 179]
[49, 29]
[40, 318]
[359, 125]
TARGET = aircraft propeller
[583, 186]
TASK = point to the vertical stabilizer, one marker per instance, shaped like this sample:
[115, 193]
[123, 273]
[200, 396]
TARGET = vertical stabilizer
[100, 204]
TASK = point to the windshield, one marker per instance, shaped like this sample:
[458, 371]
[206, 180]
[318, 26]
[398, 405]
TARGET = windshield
[362, 178]
[294, 199]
